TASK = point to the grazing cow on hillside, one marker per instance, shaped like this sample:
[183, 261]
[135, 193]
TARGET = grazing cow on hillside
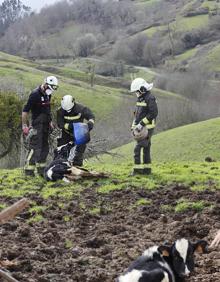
[164, 263]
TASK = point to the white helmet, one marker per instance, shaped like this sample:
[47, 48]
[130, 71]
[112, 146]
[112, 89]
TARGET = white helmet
[52, 82]
[140, 135]
[67, 103]
[138, 83]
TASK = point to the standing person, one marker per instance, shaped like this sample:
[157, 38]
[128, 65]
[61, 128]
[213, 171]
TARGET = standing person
[39, 105]
[69, 113]
[145, 115]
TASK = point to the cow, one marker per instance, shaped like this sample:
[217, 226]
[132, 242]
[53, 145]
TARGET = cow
[164, 263]
[61, 169]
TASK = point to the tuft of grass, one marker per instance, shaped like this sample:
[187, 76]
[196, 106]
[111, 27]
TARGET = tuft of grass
[2, 206]
[143, 202]
[66, 218]
[167, 208]
[184, 205]
[94, 211]
[36, 218]
[68, 244]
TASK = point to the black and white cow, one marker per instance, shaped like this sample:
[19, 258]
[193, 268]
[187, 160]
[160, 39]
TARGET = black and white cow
[164, 263]
[59, 167]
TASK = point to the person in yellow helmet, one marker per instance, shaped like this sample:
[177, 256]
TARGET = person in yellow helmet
[38, 130]
[144, 122]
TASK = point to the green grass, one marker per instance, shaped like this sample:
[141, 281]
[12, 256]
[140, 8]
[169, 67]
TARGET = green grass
[189, 23]
[213, 58]
[143, 202]
[211, 4]
[101, 99]
[192, 142]
[191, 175]
[189, 54]
[181, 24]
[184, 205]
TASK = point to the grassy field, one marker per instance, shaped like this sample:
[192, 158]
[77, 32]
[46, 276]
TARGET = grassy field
[178, 156]
[192, 142]
[195, 175]
[213, 59]
[27, 75]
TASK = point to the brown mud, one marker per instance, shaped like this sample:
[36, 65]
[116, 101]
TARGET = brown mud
[76, 244]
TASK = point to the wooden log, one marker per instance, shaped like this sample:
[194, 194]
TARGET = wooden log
[10, 212]
[6, 276]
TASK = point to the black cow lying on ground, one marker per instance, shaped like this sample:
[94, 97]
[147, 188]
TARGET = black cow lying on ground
[164, 263]
[61, 169]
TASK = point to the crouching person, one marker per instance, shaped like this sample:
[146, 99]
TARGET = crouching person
[69, 114]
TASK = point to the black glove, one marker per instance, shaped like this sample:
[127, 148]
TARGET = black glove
[90, 125]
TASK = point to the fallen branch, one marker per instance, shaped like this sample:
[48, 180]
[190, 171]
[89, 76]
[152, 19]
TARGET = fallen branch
[6, 276]
[10, 212]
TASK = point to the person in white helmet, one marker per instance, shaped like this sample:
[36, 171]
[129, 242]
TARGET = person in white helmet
[39, 105]
[71, 112]
[145, 115]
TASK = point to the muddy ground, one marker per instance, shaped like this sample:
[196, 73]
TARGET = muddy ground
[89, 247]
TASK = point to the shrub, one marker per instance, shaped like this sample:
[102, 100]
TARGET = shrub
[10, 121]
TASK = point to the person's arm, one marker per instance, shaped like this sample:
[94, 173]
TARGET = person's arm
[25, 113]
[152, 112]
[60, 119]
[88, 114]
[24, 118]
[216, 240]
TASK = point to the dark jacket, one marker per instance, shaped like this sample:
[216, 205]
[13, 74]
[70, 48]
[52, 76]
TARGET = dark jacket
[146, 110]
[77, 114]
[38, 103]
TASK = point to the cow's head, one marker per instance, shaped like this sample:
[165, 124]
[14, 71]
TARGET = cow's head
[180, 255]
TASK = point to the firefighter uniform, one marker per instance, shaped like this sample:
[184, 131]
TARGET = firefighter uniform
[145, 114]
[65, 119]
[39, 105]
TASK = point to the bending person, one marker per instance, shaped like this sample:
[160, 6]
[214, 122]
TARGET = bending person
[69, 113]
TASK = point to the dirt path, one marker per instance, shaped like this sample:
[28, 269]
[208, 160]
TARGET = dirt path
[76, 244]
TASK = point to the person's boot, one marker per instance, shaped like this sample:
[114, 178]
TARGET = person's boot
[147, 170]
[40, 171]
[29, 172]
[137, 171]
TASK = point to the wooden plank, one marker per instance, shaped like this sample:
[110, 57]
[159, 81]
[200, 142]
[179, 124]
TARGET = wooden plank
[10, 212]
[7, 277]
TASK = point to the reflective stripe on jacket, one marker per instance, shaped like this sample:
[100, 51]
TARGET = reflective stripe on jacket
[146, 111]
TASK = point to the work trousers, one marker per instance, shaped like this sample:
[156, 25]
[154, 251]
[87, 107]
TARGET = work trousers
[38, 146]
[144, 145]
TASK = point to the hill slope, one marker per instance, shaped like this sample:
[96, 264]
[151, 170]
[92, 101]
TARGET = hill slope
[192, 142]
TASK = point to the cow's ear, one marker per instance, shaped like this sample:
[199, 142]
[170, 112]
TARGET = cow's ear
[164, 250]
[200, 247]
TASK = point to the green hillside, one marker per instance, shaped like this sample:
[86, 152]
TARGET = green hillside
[28, 74]
[192, 142]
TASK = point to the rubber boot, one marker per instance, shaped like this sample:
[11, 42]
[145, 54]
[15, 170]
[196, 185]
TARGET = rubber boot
[40, 171]
[147, 170]
[138, 171]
